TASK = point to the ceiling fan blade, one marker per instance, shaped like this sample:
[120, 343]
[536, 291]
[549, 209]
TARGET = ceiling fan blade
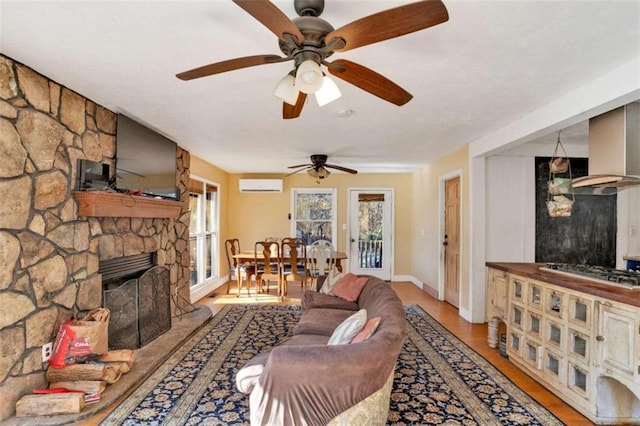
[369, 81]
[230, 65]
[300, 165]
[390, 23]
[293, 111]
[271, 17]
[299, 170]
[344, 169]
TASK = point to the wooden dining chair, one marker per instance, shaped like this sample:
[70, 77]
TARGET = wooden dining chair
[325, 251]
[320, 259]
[232, 246]
[267, 266]
[294, 262]
[322, 243]
[245, 270]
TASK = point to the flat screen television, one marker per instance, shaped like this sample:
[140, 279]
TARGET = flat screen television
[146, 161]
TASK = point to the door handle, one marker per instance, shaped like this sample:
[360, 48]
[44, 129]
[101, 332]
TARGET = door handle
[353, 240]
[445, 242]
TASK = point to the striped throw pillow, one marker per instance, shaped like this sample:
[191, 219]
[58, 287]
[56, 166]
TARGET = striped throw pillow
[348, 329]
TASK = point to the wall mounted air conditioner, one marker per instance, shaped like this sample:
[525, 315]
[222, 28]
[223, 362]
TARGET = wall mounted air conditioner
[260, 185]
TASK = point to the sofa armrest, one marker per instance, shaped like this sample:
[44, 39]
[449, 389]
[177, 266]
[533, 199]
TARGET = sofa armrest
[315, 383]
[247, 377]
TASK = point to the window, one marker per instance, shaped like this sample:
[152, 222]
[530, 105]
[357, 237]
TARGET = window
[203, 232]
[314, 215]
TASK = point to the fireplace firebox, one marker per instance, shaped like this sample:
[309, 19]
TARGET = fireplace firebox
[137, 292]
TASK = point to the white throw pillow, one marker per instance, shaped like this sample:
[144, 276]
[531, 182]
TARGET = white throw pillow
[331, 280]
[349, 328]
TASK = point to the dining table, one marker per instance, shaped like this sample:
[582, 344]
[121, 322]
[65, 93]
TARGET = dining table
[250, 255]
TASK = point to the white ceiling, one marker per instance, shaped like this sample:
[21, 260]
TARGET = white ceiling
[490, 64]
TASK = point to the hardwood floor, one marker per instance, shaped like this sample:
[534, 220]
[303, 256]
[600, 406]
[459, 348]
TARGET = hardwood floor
[474, 335]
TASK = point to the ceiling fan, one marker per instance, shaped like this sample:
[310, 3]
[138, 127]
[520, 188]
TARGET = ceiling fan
[309, 40]
[318, 168]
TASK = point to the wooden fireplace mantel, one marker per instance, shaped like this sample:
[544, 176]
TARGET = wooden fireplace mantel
[114, 204]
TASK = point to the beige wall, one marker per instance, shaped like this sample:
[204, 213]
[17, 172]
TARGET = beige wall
[254, 216]
[426, 253]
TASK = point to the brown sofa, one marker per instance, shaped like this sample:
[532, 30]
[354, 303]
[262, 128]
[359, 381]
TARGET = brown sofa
[304, 381]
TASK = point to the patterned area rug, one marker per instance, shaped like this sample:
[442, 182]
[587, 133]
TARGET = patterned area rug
[438, 379]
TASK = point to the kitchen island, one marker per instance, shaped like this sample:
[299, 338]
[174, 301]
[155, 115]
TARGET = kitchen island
[578, 337]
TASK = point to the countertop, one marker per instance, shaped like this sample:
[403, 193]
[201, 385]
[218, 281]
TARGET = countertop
[606, 291]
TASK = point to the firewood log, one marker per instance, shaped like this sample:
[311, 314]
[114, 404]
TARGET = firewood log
[86, 386]
[120, 355]
[120, 365]
[49, 404]
[109, 373]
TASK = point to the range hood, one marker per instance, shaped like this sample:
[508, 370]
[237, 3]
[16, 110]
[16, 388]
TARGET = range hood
[614, 152]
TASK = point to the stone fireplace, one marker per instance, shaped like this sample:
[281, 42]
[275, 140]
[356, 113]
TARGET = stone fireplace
[50, 254]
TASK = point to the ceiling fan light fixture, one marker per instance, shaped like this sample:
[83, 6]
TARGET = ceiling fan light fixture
[329, 92]
[309, 77]
[286, 90]
[319, 173]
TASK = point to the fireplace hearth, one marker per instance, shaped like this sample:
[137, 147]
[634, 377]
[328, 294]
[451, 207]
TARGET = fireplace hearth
[137, 293]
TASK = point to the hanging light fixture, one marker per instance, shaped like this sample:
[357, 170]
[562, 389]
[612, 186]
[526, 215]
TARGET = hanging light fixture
[286, 89]
[309, 77]
[329, 92]
[318, 173]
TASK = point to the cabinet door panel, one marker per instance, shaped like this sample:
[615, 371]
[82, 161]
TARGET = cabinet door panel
[617, 338]
[580, 310]
[496, 294]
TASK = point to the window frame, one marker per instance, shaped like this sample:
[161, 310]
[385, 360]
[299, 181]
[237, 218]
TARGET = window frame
[334, 209]
[204, 283]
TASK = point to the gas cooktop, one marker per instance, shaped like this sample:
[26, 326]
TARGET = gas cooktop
[622, 278]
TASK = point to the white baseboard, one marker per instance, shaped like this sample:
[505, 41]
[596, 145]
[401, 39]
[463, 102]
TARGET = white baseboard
[409, 278]
[204, 289]
[422, 286]
[464, 313]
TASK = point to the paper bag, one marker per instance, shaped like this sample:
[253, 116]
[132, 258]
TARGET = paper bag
[81, 340]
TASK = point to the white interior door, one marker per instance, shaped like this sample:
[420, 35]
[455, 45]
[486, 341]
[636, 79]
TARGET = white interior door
[371, 232]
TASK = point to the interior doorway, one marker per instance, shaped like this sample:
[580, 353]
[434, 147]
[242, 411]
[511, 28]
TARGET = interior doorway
[451, 241]
[371, 232]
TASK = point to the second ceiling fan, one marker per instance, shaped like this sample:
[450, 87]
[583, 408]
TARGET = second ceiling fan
[318, 168]
[309, 40]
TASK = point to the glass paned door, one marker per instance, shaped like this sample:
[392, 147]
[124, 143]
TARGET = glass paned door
[370, 228]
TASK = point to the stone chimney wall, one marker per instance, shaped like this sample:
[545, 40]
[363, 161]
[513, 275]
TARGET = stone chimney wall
[48, 255]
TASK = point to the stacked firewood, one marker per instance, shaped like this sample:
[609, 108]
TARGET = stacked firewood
[73, 386]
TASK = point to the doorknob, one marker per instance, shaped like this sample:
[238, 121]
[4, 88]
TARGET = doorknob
[445, 242]
[353, 240]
